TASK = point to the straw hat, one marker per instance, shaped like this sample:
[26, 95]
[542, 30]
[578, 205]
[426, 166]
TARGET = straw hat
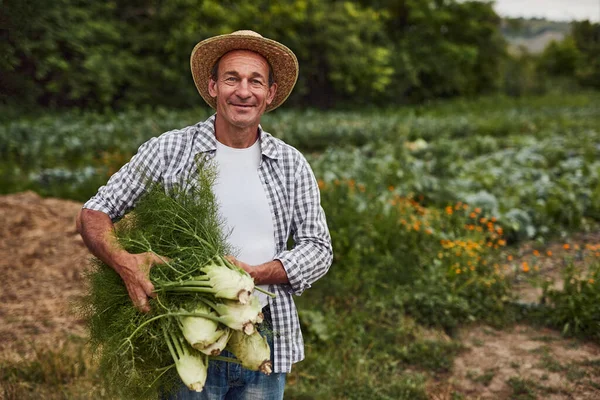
[282, 60]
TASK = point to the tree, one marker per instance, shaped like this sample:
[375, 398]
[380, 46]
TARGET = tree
[587, 39]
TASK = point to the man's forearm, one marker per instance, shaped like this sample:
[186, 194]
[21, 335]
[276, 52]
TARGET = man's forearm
[96, 229]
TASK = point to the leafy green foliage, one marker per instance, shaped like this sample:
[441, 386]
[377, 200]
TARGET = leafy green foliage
[71, 53]
[575, 309]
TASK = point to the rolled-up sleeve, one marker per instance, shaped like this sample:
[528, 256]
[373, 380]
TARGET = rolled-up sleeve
[125, 187]
[312, 253]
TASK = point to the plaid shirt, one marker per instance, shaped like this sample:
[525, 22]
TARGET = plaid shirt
[293, 197]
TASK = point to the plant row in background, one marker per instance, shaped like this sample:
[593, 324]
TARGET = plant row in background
[532, 163]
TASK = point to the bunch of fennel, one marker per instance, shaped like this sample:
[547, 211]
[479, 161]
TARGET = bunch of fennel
[202, 300]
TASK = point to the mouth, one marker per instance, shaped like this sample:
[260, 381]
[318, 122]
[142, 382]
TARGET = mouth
[243, 106]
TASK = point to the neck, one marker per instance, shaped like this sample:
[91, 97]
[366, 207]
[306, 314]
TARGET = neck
[234, 136]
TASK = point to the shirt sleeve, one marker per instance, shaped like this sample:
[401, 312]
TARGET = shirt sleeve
[125, 187]
[312, 254]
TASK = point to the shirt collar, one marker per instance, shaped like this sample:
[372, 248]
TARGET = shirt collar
[207, 141]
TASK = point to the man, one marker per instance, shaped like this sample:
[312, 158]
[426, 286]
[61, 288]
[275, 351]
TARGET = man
[265, 189]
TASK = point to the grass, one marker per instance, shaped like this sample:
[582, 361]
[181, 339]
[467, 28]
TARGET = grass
[485, 378]
[62, 372]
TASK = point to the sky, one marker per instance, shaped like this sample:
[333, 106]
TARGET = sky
[557, 10]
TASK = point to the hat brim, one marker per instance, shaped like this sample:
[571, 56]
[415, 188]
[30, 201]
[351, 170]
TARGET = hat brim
[283, 61]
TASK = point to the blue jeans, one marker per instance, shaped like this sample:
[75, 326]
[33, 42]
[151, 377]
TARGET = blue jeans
[229, 381]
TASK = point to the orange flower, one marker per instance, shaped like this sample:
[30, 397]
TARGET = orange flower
[509, 258]
[536, 253]
[361, 188]
[493, 219]
[482, 220]
[502, 242]
[321, 183]
[591, 281]
[549, 253]
[566, 246]
[449, 210]
[525, 266]
[478, 210]
[458, 271]
[472, 215]
[391, 188]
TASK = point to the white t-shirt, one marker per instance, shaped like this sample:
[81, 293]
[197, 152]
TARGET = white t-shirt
[244, 207]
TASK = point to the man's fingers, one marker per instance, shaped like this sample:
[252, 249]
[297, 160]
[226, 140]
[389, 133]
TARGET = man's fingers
[233, 260]
[149, 289]
[156, 259]
[139, 298]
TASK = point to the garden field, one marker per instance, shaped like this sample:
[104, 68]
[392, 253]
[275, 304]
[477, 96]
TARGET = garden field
[466, 238]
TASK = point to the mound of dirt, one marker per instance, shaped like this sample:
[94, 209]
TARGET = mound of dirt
[42, 258]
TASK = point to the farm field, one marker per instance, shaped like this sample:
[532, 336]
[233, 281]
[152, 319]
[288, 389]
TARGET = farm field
[450, 223]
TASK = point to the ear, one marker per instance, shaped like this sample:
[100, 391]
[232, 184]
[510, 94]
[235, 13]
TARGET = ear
[212, 87]
[271, 93]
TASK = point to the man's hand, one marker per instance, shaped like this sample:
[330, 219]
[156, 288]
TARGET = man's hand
[134, 269]
[271, 272]
[239, 264]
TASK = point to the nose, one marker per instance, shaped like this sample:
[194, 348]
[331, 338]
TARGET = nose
[243, 89]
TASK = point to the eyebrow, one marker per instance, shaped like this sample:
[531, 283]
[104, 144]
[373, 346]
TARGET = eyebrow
[253, 75]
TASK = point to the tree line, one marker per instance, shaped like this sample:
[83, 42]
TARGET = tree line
[122, 53]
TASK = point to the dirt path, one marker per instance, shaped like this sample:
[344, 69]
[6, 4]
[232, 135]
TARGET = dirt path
[41, 261]
[41, 264]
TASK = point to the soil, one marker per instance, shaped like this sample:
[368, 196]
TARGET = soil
[42, 259]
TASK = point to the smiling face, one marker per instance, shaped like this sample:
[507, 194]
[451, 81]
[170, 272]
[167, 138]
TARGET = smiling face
[242, 90]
